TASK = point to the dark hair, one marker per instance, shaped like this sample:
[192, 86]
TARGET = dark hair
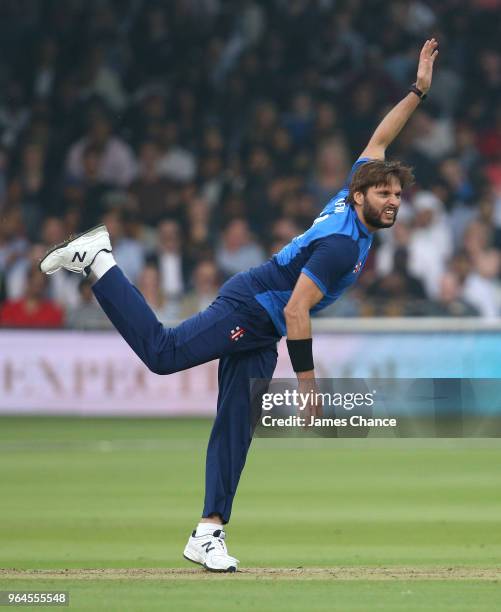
[92, 149]
[379, 172]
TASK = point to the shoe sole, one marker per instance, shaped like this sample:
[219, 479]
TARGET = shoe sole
[67, 242]
[230, 570]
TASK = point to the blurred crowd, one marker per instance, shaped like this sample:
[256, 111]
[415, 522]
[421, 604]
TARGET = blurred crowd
[206, 134]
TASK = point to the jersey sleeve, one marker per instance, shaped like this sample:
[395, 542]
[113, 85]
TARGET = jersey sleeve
[332, 257]
[360, 161]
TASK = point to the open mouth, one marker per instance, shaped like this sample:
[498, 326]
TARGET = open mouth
[389, 213]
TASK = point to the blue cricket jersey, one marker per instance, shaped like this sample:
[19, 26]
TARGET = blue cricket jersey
[332, 252]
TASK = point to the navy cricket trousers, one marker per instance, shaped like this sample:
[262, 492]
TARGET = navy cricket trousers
[238, 333]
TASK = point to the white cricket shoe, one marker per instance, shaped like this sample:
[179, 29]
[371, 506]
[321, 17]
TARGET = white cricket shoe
[211, 552]
[78, 252]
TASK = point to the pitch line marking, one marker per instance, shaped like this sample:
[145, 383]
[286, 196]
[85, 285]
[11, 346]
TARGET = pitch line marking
[253, 573]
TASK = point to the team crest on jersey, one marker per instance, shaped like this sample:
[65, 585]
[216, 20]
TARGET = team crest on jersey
[237, 333]
[357, 268]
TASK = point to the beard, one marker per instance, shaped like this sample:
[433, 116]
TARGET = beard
[375, 217]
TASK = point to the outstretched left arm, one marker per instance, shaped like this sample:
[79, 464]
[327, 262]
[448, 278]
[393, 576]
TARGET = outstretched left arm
[394, 121]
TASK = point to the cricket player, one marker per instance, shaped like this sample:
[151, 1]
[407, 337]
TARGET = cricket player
[254, 309]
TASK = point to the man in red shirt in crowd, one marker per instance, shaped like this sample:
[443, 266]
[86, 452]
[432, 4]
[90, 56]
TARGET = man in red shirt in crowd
[34, 309]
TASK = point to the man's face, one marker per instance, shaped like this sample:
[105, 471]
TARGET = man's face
[379, 206]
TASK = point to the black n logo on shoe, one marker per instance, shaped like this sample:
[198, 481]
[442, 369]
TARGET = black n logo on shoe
[80, 258]
[208, 546]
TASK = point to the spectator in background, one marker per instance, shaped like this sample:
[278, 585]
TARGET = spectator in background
[283, 231]
[189, 118]
[211, 178]
[457, 180]
[489, 213]
[361, 115]
[151, 190]
[86, 314]
[397, 293]
[170, 259]
[62, 290]
[449, 88]
[325, 122]
[338, 50]
[259, 172]
[477, 239]
[3, 178]
[33, 309]
[480, 288]
[147, 114]
[490, 146]
[117, 165]
[14, 246]
[449, 302]
[299, 121]
[330, 172]
[238, 250]
[206, 283]
[176, 162]
[430, 243]
[166, 309]
[434, 134]
[43, 75]
[152, 41]
[467, 152]
[128, 251]
[29, 188]
[397, 241]
[14, 114]
[16, 278]
[282, 150]
[212, 141]
[264, 123]
[86, 196]
[198, 232]
[98, 79]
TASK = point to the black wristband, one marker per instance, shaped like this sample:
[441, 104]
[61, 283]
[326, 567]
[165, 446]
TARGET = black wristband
[413, 89]
[301, 354]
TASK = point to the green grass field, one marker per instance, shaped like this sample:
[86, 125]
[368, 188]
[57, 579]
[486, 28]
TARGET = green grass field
[317, 524]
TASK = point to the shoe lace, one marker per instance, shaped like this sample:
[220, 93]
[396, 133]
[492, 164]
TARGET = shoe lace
[219, 537]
